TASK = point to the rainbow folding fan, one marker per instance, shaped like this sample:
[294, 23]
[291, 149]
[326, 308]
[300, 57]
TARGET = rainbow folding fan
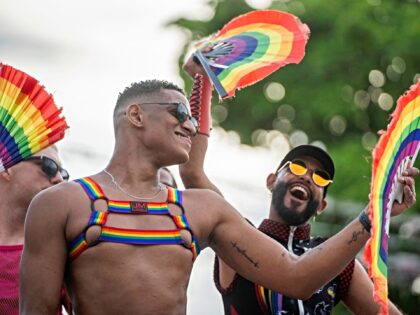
[29, 119]
[250, 47]
[397, 147]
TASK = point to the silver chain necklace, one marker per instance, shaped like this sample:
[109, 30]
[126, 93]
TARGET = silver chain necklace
[133, 196]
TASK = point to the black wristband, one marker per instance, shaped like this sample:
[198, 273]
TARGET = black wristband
[364, 219]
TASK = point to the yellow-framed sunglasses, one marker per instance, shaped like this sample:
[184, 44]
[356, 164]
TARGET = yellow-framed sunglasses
[299, 168]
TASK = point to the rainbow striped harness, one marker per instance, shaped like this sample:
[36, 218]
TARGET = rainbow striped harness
[132, 236]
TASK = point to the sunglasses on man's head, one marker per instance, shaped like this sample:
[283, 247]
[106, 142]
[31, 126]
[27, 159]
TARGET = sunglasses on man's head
[182, 113]
[50, 167]
[299, 168]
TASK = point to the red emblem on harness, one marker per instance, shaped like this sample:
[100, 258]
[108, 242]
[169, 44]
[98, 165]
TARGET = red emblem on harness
[138, 206]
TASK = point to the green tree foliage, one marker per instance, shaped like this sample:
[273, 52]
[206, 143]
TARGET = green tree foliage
[361, 56]
[330, 92]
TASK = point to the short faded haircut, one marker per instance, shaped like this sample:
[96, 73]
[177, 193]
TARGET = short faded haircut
[141, 88]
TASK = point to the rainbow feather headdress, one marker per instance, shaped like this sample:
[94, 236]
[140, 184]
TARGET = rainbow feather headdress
[250, 47]
[397, 147]
[29, 119]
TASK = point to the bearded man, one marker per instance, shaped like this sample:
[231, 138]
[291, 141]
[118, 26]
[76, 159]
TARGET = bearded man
[299, 187]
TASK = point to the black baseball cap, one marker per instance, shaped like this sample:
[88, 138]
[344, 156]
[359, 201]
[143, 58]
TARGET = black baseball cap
[314, 152]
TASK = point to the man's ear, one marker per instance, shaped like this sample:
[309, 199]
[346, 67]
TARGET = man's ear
[271, 179]
[322, 207]
[135, 115]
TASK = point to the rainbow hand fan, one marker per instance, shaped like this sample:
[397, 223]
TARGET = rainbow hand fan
[250, 47]
[397, 147]
[29, 119]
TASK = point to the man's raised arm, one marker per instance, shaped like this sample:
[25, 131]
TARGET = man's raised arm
[192, 172]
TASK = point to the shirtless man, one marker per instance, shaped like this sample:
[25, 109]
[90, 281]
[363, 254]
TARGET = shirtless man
[126, 245]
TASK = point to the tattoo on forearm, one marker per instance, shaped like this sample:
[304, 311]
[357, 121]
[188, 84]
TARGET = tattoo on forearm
[355, 236]
[243, 253]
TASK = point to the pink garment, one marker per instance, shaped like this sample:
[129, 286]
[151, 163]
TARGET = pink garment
[9, 279]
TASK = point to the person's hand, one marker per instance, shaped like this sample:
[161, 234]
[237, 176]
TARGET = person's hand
[409, 192]
[193, 66]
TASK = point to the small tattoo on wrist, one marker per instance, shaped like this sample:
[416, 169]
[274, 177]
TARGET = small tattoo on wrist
[356, 235]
